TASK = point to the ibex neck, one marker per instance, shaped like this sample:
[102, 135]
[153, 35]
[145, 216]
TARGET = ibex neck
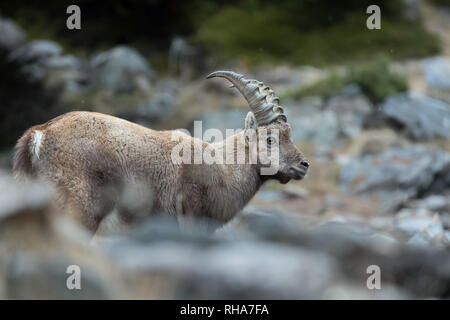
[242, 180]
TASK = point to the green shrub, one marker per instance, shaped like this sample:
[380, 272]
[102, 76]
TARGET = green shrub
[323, 88]
[375, 79]
[270, 34]
[316, 32]
[445, 3]
[254, 36]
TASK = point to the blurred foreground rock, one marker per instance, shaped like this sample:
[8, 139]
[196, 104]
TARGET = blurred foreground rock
[37, 245]
[260, 254]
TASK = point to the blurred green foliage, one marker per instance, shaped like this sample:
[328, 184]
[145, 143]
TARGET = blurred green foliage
[296, 31]
[315, 33]
[375, 78]
[445, 3]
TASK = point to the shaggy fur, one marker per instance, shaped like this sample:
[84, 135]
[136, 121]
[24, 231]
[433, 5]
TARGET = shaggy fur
[91, 157]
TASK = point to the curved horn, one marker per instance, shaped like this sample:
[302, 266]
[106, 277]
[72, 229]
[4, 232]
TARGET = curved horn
[260, 98]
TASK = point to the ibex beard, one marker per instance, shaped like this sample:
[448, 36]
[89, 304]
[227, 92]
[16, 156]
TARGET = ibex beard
[92, 159]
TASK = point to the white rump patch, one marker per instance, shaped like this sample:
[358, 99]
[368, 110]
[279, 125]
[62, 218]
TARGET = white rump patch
[38, 137]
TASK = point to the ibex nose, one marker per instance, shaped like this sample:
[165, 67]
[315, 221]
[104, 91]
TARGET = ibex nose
[305, 164]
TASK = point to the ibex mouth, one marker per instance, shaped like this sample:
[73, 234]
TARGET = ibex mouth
[298, 173]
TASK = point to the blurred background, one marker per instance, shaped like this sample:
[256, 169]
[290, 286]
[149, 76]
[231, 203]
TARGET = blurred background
[370, 109]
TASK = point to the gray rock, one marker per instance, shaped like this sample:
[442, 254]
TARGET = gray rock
[321, 128]
[270, 195]
[352, 108]
[295, 192]
[232, 270]
[28, 276]
[38, 244]
[36, 51]
[33, 56]
[419, 240]
[397, 174]
[13, 201]
[384, 243]
[68, 71]
[11, 36]
[435, 203]
[420, 116]
[437, 72]
[119, 69]
[221, 120]
[161, 108]
[200, 268]
[64, 62]
[447, 237]
[330, 125]
[419, 221]
[185, 59]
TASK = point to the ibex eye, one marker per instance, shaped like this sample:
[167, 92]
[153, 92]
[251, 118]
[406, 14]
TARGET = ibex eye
[270, 140]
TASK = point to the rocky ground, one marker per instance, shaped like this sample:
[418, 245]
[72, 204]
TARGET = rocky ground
[378, 192]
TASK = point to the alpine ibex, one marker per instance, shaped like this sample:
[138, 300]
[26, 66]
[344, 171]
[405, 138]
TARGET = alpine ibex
[90, 156]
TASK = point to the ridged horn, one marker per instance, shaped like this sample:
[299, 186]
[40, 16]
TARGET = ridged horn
[261, 99]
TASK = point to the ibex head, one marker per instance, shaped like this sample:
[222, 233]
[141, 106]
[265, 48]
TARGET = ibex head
[268, 121]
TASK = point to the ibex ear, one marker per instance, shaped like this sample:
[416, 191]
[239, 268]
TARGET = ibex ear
[250, 126]
[250, 121]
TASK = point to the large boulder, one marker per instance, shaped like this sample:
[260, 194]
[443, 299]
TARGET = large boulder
[121, 69]
[36, 51]
[155, 259]
[421, 117]
[320, 128]
[437, 77]
[352, 108]
[161, 107]
[43, 60]
[33, 56]
[329, 124]
[11, 36]
[398, 174]
[38, 245]
[189, 270]
[67, 70]
[421, 225]
[329, 260]
[437, 72]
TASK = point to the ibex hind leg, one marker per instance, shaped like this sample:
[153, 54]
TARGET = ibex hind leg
[113, 223]
[86, 208]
